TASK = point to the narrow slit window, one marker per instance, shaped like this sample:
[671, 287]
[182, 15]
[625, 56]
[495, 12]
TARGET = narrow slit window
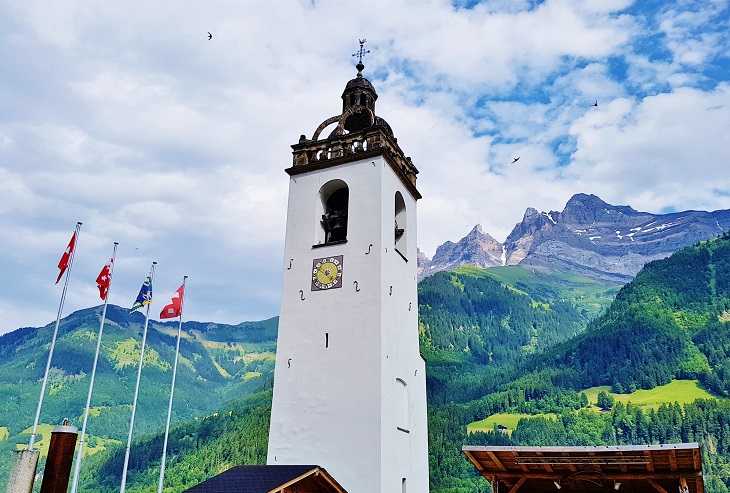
[401, 230]
[403, 411]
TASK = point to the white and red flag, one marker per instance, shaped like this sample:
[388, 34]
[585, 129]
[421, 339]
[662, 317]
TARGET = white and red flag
[105, 279]
[66, 257]
[174, 309]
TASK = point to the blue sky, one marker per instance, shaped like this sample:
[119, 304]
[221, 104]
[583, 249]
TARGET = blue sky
[126, 117]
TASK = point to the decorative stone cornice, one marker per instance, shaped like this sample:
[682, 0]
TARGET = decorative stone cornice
[310, 155]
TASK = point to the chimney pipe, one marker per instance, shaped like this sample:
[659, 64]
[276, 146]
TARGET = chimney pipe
[60, 458]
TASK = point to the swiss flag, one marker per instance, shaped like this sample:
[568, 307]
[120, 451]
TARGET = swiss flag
[174, 309]
[66, 257]
[105, 279]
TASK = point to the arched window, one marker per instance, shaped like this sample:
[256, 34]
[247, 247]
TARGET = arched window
[363, 100]
[401, 230]
[333, 208]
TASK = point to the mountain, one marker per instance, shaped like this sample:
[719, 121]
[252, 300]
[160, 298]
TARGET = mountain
[217, 361]
[665, 338]
[589, 237]
[672, 321]
[510, 345]
[477, 248]
[499, 345]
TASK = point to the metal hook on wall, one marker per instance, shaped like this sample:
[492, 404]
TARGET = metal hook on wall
[391, 291]
[290, 262]
[301, 294]
[357, 287]
[288, 363]
[409, 306]
[369, 247]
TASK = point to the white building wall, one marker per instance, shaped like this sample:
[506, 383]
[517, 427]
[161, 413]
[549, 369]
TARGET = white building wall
[339, 406]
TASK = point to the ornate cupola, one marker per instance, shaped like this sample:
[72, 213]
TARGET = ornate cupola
[358, 133]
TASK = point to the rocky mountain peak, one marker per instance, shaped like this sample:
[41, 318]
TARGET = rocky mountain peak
[589, 237]
[586, 209]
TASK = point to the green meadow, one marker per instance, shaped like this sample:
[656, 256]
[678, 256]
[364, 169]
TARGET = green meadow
[681, 391]
[507, 420]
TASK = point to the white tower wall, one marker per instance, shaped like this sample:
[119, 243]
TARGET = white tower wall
[349, 383]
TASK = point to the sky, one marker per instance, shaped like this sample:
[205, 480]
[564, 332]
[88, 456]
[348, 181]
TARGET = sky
[126, 117]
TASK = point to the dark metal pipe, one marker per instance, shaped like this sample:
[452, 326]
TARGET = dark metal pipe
[60, 458]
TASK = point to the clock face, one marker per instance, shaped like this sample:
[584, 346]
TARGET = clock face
[327, 273]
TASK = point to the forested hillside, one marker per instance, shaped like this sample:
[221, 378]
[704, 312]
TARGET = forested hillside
[672, 322]
[517, 357]
[217, 361]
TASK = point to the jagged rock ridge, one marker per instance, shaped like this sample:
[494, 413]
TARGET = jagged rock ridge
[589, 237]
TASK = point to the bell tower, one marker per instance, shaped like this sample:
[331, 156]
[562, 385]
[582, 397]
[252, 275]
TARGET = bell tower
[350, 383]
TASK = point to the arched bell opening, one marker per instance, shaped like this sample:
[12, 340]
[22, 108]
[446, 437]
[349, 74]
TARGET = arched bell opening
[333, 211]
[359, 118]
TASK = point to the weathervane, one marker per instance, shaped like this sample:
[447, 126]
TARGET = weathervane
[361, 52]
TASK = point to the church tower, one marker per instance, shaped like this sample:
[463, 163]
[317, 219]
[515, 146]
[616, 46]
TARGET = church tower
[350, 382]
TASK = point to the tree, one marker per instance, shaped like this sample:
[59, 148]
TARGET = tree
[605, 401]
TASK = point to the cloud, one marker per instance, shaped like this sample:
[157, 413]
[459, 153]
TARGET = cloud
[127, 118]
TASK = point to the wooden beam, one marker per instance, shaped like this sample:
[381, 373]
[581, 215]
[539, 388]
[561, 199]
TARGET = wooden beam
[673, 460]
[622, 466]
[570, 466]
[548, 467]
[697, 459]
[522, 466]
[496, 461]
[628, 476]
[699, 484]
[474, 461]
[656, 486]
[518, 484]
[650, 462]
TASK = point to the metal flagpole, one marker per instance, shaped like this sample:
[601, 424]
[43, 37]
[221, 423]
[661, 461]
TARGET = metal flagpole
[172, 391]
[136, 388]
[77, 468]
[55, 334]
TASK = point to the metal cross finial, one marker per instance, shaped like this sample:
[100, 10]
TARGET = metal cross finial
[361, 52]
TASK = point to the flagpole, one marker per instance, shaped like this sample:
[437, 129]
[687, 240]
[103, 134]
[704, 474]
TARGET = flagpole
[136, 388]
[172, 391]
[77, 468]
[53, 339]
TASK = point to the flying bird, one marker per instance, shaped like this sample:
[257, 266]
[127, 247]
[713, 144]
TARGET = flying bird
[210, 36]
[595, 104]
[515, 160]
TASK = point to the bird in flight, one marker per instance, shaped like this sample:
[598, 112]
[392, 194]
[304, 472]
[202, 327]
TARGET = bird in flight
[515, 160]
[595, 104]
[210, 36]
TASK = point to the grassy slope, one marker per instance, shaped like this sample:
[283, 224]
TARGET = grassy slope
[590, 295]
[681, 391]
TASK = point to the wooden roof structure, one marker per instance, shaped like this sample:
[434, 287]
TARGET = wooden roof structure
[270, 479]
[669, 468]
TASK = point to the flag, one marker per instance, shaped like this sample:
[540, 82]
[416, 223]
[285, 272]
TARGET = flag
[105, 279]
[66, 257]
[144, 297]
[174, 309]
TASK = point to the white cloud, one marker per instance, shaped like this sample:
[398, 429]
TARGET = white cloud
[127, 118]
